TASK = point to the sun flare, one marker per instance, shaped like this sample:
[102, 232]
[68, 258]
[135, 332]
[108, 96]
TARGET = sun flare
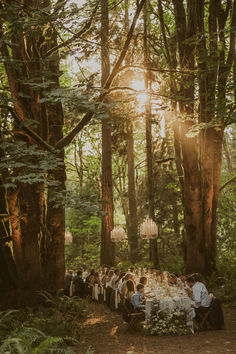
[142, 96]
[138, 85]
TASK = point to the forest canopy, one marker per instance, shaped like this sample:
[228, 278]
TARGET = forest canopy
[111, 112]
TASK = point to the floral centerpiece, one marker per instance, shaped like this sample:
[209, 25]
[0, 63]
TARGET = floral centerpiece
[163, 323]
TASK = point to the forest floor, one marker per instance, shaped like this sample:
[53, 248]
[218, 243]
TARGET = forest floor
[104, 332]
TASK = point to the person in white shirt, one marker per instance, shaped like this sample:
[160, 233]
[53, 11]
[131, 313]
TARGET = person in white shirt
[199, 295]
[115, 279]
[120, 281]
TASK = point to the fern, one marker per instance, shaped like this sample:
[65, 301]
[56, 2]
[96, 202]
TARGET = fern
[31, 340]
[52, 330]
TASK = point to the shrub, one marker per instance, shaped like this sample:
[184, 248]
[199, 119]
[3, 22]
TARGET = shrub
[53, 329]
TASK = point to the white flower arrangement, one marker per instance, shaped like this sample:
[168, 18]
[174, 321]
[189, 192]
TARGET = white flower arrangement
[165, 323]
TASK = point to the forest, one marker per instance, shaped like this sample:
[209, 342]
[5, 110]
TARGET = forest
[113, 112]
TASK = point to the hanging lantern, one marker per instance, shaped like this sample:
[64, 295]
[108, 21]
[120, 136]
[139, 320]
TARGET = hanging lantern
[118, 234]
[148, 229]
[68, 238]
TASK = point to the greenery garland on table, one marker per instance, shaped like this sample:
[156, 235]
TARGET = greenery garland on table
[164, 323]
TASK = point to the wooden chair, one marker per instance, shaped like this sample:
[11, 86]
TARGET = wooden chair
[205, 321]
[132, 317]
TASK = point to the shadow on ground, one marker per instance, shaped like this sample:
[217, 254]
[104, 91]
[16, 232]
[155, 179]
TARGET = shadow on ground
[105, 333]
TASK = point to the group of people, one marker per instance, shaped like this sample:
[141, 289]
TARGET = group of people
[130, 286]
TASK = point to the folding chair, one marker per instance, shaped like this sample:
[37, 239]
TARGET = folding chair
[132, 317]
[203, 324]
[213, 318]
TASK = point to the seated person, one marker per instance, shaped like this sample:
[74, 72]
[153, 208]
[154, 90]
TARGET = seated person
[199, 295]
[151, 271]
[120, 281]
[131, 269]
[108, 287]
[137, 299]
[181, 281]
[143, 280]
[104, 278]
[172, 279]
[115, 279]
[124, 289]
[130, 289]
[90, 276]
[68, 280]
[198, 277]
[97, 279]
[79, 284]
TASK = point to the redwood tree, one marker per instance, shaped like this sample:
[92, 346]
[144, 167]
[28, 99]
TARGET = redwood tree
[107, 247]
[201, 153]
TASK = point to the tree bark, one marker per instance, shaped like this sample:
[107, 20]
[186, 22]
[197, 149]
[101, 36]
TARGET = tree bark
[133, 219]
[107, 247]
[202, 158]
[153, 250]
[26, 203]
[132, 216]
[8, 275]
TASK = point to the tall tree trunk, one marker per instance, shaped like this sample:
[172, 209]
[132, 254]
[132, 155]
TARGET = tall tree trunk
[153, 250]
[30, 211]
[202, 165]
[55, 211]
[132, 217]
[24, 202]
[8, 275]
[185, 28]
[107, 247]
[170, 49]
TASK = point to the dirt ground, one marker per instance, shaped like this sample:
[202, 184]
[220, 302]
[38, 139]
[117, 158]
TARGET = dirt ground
[104, 332]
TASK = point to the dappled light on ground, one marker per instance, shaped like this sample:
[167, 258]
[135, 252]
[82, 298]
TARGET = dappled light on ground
[106, 333]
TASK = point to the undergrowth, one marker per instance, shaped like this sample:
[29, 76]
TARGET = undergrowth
[52, 329]
[223, 283]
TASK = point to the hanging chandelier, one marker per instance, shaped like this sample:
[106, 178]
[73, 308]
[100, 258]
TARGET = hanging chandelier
[68, 238]
[148, 229]
[118, 234]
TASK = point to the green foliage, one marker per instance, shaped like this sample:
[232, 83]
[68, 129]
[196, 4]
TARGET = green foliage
[53, 329]
[85, 249]
[28, 163]
[163, 323]
[30, 340]
[173, 264]
[223, 283]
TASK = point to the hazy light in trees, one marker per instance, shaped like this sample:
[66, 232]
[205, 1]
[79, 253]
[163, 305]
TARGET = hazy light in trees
[142, 96]
[162, 125]
[68, 238]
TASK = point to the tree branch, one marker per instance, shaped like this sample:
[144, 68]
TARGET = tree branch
[72, 39]
[142, 67]
[88, 116]
[233, 179]
[29, 131]
[165, 160]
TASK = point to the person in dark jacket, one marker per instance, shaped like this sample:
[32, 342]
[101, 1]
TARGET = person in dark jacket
[68, 280]
[79, 284]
